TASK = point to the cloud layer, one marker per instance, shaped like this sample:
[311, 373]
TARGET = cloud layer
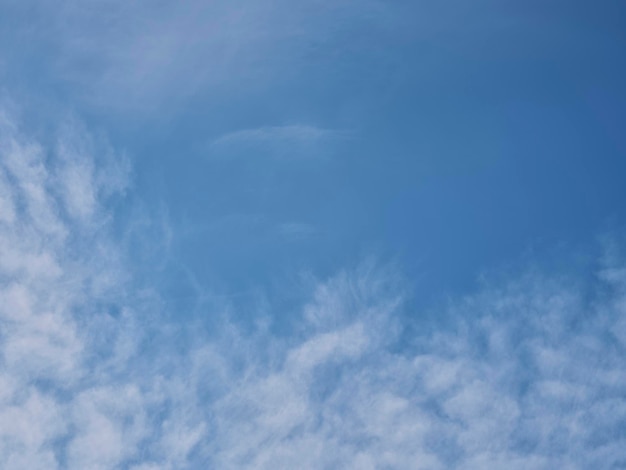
[527, 373]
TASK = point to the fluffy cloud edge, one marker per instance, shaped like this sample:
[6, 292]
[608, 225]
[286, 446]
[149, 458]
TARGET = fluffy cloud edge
[527, 373]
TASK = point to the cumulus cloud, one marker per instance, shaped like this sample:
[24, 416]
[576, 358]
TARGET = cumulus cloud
[526, 373]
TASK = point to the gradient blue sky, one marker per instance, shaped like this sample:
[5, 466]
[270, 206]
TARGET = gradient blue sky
[238, 214]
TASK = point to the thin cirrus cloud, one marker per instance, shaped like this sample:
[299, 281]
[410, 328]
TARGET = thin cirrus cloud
[527, 373]
[289, 141]
[140, 55]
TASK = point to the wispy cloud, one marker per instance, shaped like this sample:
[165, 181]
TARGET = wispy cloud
[527, 376]
[291, 141]
[140, 55]
[50, 205]
[297, 230]
[526, 373]
[293, 133]
[71, 329]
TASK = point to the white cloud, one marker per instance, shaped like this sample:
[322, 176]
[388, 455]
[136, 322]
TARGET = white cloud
[56, 271]
[525, 374]
[519, 385]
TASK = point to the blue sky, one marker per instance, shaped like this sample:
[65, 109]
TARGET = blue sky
[314, 235]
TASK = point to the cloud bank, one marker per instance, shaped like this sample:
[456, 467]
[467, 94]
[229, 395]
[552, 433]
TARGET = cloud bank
[527, 373]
